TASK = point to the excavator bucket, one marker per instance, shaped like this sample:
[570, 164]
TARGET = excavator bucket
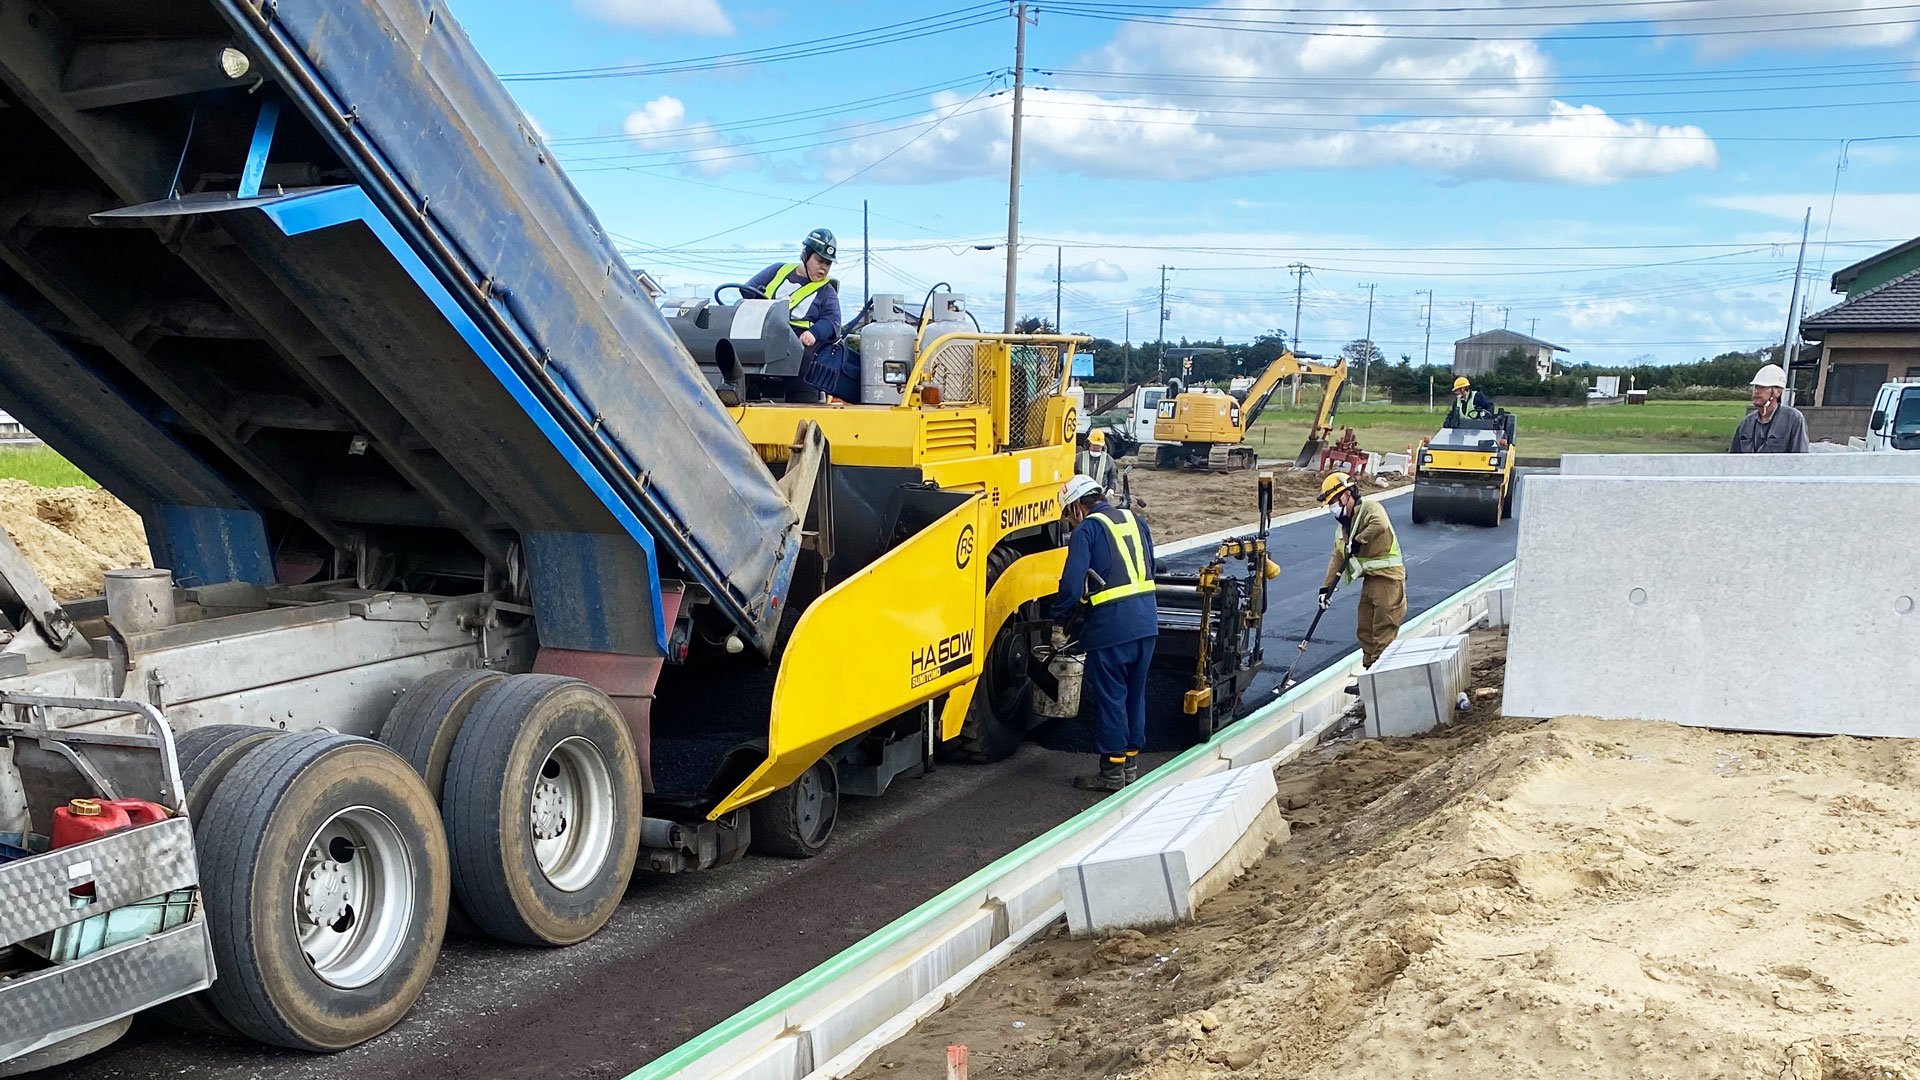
[1309, 457]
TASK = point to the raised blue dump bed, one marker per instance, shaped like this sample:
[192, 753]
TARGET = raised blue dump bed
[345, 314]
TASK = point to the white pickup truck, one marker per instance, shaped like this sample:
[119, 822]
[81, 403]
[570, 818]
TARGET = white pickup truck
[1895, 423]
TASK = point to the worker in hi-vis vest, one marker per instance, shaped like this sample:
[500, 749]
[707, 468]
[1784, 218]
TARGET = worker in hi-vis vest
[1365, 547]
[814, 302]
[1120, 623]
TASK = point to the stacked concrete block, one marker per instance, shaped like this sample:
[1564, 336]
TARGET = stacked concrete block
[1812, 465]
[1185, 844]
[1413, 686]
[1394, 463]
[1778, 604]
[1500, 602]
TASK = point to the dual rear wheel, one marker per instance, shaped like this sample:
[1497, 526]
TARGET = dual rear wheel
[329, 862]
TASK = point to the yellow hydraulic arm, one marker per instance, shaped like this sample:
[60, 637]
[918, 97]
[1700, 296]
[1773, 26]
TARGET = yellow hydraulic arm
[1269, 381]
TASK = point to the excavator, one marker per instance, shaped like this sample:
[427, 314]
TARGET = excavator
[1207, 428]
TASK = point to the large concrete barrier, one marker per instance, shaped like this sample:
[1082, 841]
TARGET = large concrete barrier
[1780, 604]
[1889, 463]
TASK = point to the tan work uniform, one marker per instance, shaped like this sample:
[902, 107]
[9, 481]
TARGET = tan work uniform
[1383, 591]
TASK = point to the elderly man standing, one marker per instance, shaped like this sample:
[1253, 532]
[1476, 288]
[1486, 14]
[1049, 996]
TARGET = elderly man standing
[1771, 428]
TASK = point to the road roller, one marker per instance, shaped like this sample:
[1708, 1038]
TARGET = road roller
[1464, 473]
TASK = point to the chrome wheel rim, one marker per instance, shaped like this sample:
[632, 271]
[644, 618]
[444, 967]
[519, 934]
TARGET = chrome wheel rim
[570, 814]
[353, 902]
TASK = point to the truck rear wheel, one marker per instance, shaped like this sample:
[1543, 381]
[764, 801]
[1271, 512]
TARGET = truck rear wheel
[543, 810]
[324, 870]
[422, 728]
[797, 821]
[206, 755]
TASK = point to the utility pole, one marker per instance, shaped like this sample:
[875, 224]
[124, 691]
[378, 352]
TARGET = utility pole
[1056, 290]
[1366, 360]
[866, 259]
[1299, 271]
[1013, 172]
[1426, 358]
[1504, 313]
[1473, 308]
[1531, 325]
[1791, 344]
[1126, 357]
[1160, 343]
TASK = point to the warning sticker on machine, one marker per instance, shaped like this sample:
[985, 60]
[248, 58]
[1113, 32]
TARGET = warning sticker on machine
[949, 654]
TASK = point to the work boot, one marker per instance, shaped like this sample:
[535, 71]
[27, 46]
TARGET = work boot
[1111, 777]
[1133, 766]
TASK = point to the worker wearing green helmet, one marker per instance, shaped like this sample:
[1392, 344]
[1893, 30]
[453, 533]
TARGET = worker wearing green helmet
[813, 296]
[814, 301]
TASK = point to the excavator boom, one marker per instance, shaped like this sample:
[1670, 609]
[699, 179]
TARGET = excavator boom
[1269, 381]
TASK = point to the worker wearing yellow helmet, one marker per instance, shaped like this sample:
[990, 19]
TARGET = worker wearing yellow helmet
[1468, 403]
[1365, 547]
[1094, 461]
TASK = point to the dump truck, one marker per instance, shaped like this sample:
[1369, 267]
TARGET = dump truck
[1463, 474]
[439, 503]
[1207, 428]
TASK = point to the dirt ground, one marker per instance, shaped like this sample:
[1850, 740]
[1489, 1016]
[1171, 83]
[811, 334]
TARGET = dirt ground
[1183, 503]
[1506, 898]
[71, 534]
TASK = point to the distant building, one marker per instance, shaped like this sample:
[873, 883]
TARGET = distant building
[1481, 353]
[1876, 270]
[1867, 339]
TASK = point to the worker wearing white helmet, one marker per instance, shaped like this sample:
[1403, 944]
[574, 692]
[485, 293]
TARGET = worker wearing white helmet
[1365, 547]
[1772, 427]
[1110, 571]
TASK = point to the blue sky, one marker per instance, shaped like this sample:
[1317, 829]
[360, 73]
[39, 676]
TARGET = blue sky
[1625, 177]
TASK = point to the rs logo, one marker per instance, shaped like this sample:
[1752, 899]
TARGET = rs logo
[963, 548]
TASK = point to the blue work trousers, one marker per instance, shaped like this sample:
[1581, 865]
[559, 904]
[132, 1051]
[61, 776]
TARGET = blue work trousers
[1117, 679]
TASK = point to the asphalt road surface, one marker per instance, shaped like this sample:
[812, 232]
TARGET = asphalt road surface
[683, 953]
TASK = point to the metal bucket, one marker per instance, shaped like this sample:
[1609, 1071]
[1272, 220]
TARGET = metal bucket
[1067, 669]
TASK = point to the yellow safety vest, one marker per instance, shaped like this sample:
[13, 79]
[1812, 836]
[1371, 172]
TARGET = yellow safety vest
[1359, 567]
[799, 296]
[1126, 541]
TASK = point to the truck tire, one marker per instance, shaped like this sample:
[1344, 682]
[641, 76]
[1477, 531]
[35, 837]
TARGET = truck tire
[797, 821]
[422, 727]
[1002, 706]
[543, 810]
[426, 720]
[324, 873]
[206, 755]
[1506, 498]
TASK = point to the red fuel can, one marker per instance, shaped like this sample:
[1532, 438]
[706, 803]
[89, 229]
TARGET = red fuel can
[82, 820]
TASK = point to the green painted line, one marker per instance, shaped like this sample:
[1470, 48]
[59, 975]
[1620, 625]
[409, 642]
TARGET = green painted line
[870, 947]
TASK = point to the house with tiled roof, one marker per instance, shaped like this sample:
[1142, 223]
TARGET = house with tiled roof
[1873, 335]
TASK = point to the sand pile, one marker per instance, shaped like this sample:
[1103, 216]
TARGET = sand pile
[72, 534]
[1183, 503]
[1578, 898]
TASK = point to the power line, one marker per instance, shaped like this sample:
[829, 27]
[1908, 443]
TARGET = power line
[815, 113]
[1685, 76]
[1278, 27]
[1390, 117]
[837, 183]
[908, 30]
[1189, 16]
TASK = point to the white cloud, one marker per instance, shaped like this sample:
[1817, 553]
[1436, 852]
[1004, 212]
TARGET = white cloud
[701, 17]
[1081, 273]
[1854, 216]
[661, 126]
[1151, 104]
